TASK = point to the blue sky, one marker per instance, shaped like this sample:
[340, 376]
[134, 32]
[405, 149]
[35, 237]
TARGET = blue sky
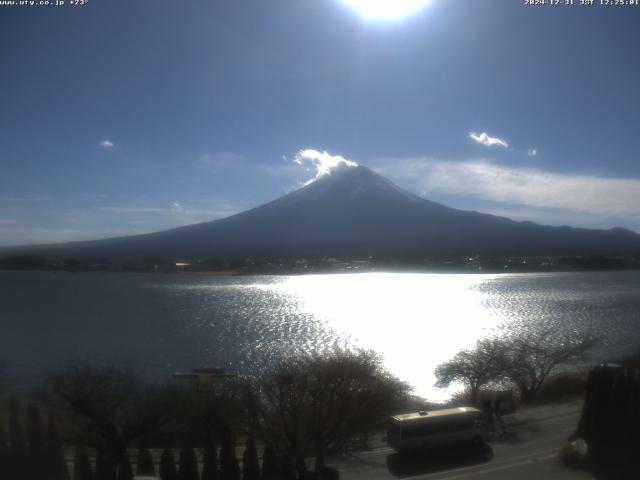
[132, 116]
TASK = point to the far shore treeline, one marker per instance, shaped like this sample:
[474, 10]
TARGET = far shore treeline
[285, 266]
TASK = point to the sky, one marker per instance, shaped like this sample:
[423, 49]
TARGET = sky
[129, 116]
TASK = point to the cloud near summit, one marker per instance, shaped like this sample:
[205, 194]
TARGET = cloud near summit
[323, 162]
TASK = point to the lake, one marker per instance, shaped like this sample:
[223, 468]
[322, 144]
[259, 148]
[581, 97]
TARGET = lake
[164, 323]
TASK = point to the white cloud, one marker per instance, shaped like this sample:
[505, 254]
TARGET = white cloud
[532, 152]
[604, 197]
[322, 161]
[488, 141]
[107, 144]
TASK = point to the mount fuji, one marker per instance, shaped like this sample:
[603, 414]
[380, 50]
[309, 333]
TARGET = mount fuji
[352, 212]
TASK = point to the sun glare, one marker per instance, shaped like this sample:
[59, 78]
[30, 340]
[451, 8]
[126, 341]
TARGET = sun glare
[414, 321]
[385, 9]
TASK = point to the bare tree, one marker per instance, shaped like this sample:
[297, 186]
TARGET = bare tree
[113, 403]
[322, 402]
[526, 360]
[533, 357]
[351, 395]
[278, 405]
[475, 368]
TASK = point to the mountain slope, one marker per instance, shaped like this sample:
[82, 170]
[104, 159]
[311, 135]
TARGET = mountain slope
[355, 212]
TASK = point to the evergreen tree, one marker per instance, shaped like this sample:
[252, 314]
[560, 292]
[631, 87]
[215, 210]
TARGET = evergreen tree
[610, 421]
[125, 472]
[37, 451]
[17, 450]
[81, 464]
[229, 468]
[99, 467]
[55, 464]
[210, 461]
[167, 468]
[187, 463]
[4, 455]
[145, 466]
[250, 463]
[105, 468]
[287, 471]
[269, 463]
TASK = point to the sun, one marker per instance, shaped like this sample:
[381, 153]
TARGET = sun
[385, 9]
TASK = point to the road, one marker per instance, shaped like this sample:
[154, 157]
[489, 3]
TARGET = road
[527, 451]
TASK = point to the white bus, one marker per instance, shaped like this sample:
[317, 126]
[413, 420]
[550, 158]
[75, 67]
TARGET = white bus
[437, 428]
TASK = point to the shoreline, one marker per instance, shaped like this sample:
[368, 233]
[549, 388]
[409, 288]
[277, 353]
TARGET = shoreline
[239, 273]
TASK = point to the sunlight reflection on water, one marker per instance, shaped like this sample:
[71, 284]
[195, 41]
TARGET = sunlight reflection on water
[415, 321]
[164, 323]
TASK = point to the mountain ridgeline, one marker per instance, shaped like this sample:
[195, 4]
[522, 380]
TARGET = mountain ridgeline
[352, 213]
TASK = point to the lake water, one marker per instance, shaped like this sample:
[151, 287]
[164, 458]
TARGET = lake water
[163, 323]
